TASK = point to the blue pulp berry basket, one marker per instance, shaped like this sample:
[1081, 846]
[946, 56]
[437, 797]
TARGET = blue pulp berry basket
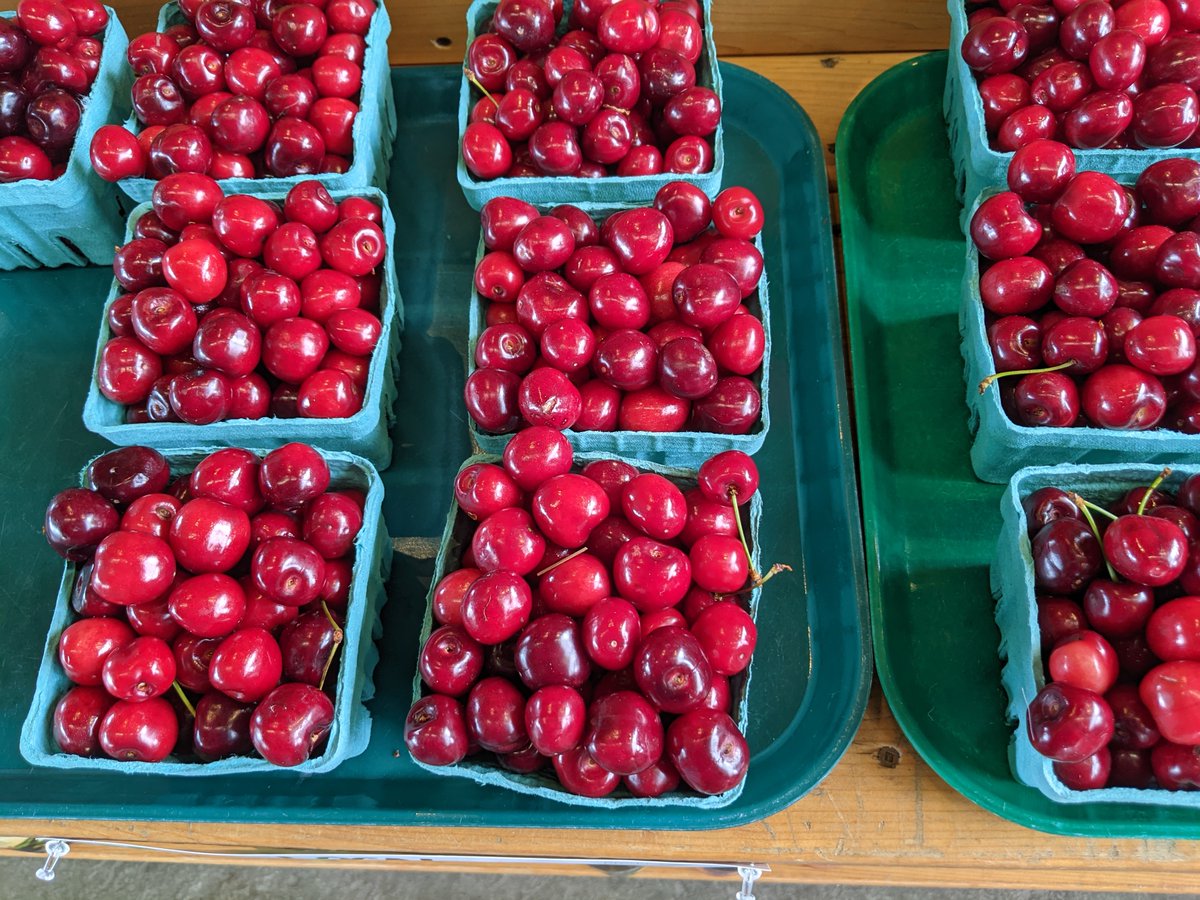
[374, 129]
[544, 783]
[75, 219]
[678, 448]
[352, 722]
[1016, 615]
[976, 165]
[364, 433]
[1000, 446]
[638, 188]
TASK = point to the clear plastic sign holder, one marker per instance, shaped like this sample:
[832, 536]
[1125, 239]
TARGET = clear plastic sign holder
[57, 848]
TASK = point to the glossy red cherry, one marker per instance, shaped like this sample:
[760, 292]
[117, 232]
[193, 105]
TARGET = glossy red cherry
[144, 731]
[291, 723]
[707, 749]
[1170, 692]
[83, 647]
[77, 717]
[435, 731]
[246, 665]
[1069, 724]
[496, 606]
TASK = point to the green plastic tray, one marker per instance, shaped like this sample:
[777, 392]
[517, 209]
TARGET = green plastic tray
[812, 670]
[930, 526]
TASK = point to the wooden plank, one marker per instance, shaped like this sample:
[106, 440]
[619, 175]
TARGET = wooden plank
[434, 31]
[881, 817]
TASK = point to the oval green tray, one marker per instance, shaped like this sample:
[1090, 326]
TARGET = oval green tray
[812, 666]
[930, 526]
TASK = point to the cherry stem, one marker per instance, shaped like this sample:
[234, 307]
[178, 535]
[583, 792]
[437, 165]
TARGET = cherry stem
[338, 635]
[182, 696]
[1094, 507]
[1087, 514]
[557, 563]
[987, 382]
[624, 112]
[737, 517]
[1162, 476]
[771, 573]
[475, 82]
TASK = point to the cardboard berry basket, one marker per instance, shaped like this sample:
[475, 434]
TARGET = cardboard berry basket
[544, 783]
[611, 189]
[351, 729]
[1016, 614]
[365, 433]
[373, 131]
[976, 165]
[75, 219]
[677, 448]
[1000, 446]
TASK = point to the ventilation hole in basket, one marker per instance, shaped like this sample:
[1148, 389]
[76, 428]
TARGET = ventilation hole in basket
[30, 259]
[71, 248]
[442, 42]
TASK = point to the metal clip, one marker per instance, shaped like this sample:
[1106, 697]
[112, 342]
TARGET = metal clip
[55, 850]
[750, 874]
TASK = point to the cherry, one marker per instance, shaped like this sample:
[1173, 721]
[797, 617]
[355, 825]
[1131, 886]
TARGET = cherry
[1133, 726]
[495, 715]
[708, 751]
[142, 731]
[1146, 550]
[550, 651]
[490, 395]
[641, 237]
[654, 781]
[288, 571]
[131, 568]
[732, 407]
[292, 475]
[139, 670]
[222, 727]
[331, 523]
[291, 723]
[496, 606]
[1166, 115]
[573, 584]
[625, 733]
[579, 773]
[1066, 556]
[727, 474]
[1169, 691]
[210, 605]
[448, 595]
[1170, 189]
[84, 645]
[1091, 210]
[1069, 724]
[670, 668]
[450, 661]
[1117, 609]
[77, 717]
[1122, 397]
[246, 665]
[1084, 660]
[77, 520]
[435, 731]
[555, 719]
[1175, 767]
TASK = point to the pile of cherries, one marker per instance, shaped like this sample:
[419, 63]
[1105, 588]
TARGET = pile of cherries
[614, 95]
[1096, 74]
[243, 89]
[595, 623]
[638, 324]
[229, 584]
[1118, 596]
[239, 308]
[49, 57]
[1092, 293]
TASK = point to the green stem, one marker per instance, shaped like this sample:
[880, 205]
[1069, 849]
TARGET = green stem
[1094, 507]
[990, 380]
[737, 517]
[1162, 476]
[182, 696]
[1087, 514]
[475, 83]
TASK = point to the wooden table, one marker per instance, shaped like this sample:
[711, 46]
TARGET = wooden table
[882, 816]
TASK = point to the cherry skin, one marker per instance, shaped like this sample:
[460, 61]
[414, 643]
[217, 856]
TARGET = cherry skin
[435, 731]
[77, 717]
[210, 605]
[1069, 724]
[495, 715]
[141, 669]
[507, 540]
[1117, 609]
[83, 647]
[625, 735]
[292, 475]
[1066, 556]
[555, 719]
[707, 749]
[1133, 726]
[451, 661]
[611, 631]
[246, 665]
[1170, 692]
[582, 775]
[567, 507]
[1171, 630]
[1122, 397]
[142, 731]
[288, 571]
[1091, 210]
[222, 727]
[291, 723]
[131, 568]
[1146, 550]
[77, 520]
[550, 652]
[496, 606]
[651, 575]
[1084, 660]
[575, 584]
[671, 670]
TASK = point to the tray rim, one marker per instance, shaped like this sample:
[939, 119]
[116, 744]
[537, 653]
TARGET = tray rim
[1076, 822]
[852, 702]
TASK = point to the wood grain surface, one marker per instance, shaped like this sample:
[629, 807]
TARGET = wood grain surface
[881, 817]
